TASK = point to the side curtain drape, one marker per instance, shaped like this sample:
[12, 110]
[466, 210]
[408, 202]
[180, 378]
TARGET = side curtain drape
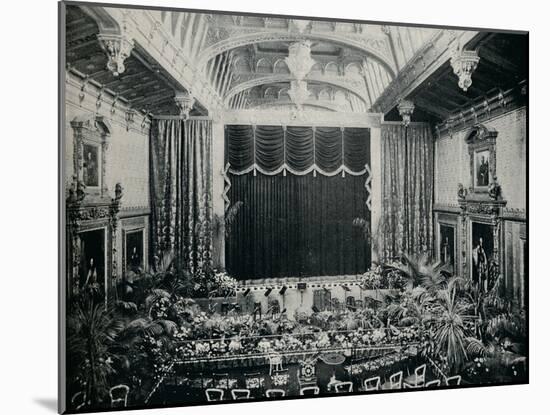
[407, 190]
[181, 192]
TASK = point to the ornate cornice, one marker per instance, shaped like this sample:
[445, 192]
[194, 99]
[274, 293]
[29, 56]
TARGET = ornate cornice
[514, 214]
[446, 207]
[485, 109]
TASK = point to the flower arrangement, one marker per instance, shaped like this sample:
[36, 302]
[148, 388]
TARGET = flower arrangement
[159, 310]
[383, 277]
[224, 284]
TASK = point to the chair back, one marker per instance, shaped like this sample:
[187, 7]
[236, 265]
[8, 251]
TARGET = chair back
[453, 380]
[280, 378]
[214, 394]
[343, 387]
[275, 393]
[238, 394]
[420, 374]
[309, 390]
[308, 371]
[275, 359]
[396, 380]
[433, 384]
[254, 380]
[78, 400]
[119, 395]
[372, 384]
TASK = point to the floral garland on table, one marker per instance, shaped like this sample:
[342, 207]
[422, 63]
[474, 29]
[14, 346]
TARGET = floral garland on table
[381, 362]
[238, 346]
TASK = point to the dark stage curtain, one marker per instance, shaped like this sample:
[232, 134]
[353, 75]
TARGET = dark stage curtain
[181, 192]
[297, 220]
[407, 190]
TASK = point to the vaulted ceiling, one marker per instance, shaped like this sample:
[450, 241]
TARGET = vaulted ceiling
[354, 62]
[232, 62]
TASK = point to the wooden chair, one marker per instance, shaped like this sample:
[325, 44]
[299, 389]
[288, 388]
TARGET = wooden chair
[275, 393]
[240, 394]
[417, 380]
[453, 380]
[343, 387]
[119, 396]
[309, 390]
[433, 384]
[254, 382]
[78, 401]
[275, 362]
[214, 394]
[307, 376]
[280, 378]
[396, 381]
[372, 384]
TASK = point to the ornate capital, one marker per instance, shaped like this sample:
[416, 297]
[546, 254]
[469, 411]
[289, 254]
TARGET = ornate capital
[118, 49]
[185, 102]
[405, 108]
[464, 63]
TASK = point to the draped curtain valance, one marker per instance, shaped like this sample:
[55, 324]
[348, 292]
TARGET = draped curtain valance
[271, 150]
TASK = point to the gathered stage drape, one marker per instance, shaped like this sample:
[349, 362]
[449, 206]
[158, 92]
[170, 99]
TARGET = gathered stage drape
[271, 150]
[301, 189]
[181, 192]
[407, 190]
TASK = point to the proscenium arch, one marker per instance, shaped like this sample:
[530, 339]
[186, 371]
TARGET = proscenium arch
[276, 78]
[280, 36]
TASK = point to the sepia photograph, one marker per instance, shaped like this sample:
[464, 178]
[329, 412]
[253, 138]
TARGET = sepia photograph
[262, 207]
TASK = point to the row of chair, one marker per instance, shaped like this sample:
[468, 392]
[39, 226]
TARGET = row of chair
[396, 381]
[214, 394]
[118, 395]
